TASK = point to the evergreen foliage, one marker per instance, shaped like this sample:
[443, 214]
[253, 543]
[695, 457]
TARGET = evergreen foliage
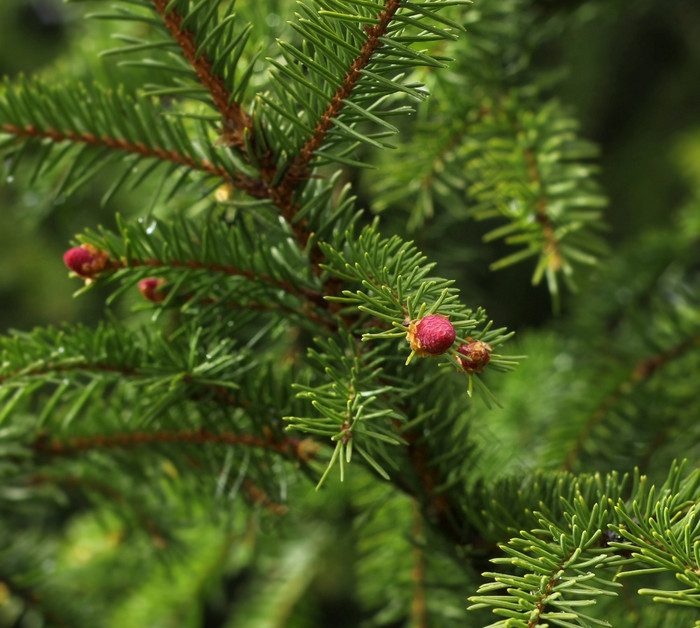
[188, 429]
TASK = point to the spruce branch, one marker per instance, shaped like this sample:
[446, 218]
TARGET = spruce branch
[584, 533]
[558, 561]
[96, 118]
[81, 364]
[302, 450]
[546, 593]
[368, 44]
[94, 372]
[517, 157]
[667, 538]
[299, 168]
[236, 121]
[71, 366]
[527, 167]
[642, 371]
[551, 244]
[137, 148]
[199, 267]
[230, 270]
[248, 284]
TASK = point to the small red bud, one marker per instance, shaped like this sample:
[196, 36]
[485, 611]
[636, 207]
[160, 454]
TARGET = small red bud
[150, 289]
[86, 260]
[431, 335]
[477, 355]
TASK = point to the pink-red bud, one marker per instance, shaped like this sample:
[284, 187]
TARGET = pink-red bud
[86, 260]
[477, 355]
[431, 335]
[150, 289]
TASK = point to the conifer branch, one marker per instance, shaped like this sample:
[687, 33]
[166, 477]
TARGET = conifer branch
[541, 603]
[50, 367]
[304, 313]
[227, 269]
[221, 392]
[298, 171]
[304, 450]
[313, 301]
[250, 186]
[436, 506]
[255, 495]
[236, 121]
[551, 244]
[642, 371]
[296, 254]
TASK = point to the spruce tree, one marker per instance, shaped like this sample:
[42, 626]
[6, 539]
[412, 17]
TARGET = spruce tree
[295, 409]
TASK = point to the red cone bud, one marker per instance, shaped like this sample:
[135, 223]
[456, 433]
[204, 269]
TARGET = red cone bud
[149, 288]
[85, 260]
[431, 335]
[477, 355]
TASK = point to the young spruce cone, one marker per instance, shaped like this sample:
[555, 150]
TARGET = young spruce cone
[431, 335]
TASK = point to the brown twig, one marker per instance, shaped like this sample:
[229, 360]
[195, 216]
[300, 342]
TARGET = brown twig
[252, 187]
[228, 269]
[541, 604]
[310, 297]
[236, 120]
[551, 247]
[642, 371]
[282, 194]
[303, 450]
[255, 495]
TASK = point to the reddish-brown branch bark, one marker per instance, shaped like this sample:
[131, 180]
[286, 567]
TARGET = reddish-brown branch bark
[643, 370]
[252, 187]
[282, 194]
[227, 269]
[255, 495]
[312, 298]
[235, 119]
[542, 600]
[437, 506]
[303, 450]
